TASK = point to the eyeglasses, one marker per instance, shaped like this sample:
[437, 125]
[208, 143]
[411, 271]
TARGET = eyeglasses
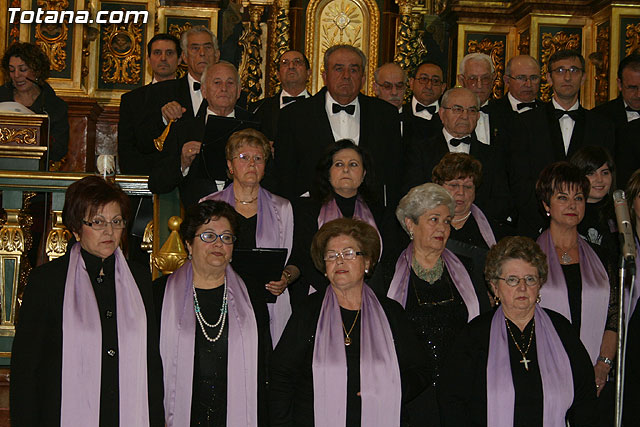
[389, 85]
[346, 254]
[458, 109]
[474, 80]
[523, 79]
[514, 281]
[574, 71]
[100, 223]
[456, 187]
[297, 62]
[210, 237]
[435, 81]
[246, 158]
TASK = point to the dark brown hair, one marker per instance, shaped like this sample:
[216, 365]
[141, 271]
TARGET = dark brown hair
[632, 191]
[559, 176]
[204, 212]
[32, 55]
[457, 166]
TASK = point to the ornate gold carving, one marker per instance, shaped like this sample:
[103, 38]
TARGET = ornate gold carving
[177, 30]
[495, 50]
[12, 249]
[404, 41]
[58, 237]
[280, 43]
[172, 254]
[52, 37]
[25, 136]
[250, 71]
[14, 28]
[147, 243]
[11, 236]
[26, 222]
[524, 45]
[600, 59]
[632, 42]
[121, 53]
[550, 45]
[341, 23]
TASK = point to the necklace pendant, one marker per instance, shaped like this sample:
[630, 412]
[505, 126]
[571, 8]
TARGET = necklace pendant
[347, 341]
[566, 258]
[525, 361]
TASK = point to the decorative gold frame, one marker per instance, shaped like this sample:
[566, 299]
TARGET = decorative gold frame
[314, 40]
[617, 13]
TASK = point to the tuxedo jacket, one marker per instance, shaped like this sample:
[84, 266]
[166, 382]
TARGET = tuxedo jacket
[304, 132]
[416, 127]
[503, 120]
[492, 195]
[166, 173]
[267, 113]
[627, 156]
[539, 143]
[614, 111]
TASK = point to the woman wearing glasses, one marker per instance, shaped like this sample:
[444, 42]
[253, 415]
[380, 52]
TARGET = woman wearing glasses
[86, 344]
[214, 332]
[265, 220]
[578, 286]
[522, 365]
[432, 284]
[346, 357]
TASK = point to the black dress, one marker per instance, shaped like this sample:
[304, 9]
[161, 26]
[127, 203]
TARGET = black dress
[291, 386]
[463, 390]
[36, 362]
[599, 228]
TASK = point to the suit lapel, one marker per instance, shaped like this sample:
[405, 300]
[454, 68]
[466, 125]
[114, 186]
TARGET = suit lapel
[324, 126]
[577, 136]
[555, 134]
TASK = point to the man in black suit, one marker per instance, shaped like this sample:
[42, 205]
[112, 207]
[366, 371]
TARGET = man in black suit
[477, 73]
[164, 57]
[459, 113]
[551, 133]
[390, 84]
[293, 72]
[198, 168]
[421, 115]
[626, 107]
[338, 111]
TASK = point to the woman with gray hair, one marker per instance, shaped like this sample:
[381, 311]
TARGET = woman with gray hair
[431, 283]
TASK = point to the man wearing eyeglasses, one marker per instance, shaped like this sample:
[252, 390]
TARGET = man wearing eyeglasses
[477, 73]
[293, 72]
[390, 84]
[421, 115]
[459, 112]
[553, 133]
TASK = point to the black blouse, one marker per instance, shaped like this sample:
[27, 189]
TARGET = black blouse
[246, 232]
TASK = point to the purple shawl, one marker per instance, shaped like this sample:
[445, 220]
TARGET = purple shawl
[82, 347]
[274, 229]
[331, 211]
[380, 386]
[595, 292]
[636, 291]
[483, 225]
[555, 372]
[177, 346]
[459, 275]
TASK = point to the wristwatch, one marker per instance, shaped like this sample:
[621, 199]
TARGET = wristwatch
[605, 360]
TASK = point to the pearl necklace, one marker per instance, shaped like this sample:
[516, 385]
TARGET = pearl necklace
[221, 319]
[463, 218]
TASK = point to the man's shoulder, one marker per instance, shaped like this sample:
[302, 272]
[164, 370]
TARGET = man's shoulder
[302, 107]
[376, 104]
[134, 94]
[610, 107]
[242, 114]
[266, 103]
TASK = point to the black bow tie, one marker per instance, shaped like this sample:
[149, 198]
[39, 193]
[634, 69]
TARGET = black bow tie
[288, 99]
[485, 109]
[349, 109]
[628, 108]
[574, 114]
[457, 141]
[196, 85]
[431, 109]
[523, 105]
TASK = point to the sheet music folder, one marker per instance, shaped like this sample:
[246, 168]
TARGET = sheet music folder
[259, 266]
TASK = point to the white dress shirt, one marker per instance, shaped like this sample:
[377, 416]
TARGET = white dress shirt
[483, 132]
[566, 123]
[285, 93]
[514, 104]
[462, 148]
[343, 125]
[424, 113]
[631, 115]
[196, 95]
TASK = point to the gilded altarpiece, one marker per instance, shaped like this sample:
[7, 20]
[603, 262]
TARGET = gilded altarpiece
[552, 39]
[331, 22]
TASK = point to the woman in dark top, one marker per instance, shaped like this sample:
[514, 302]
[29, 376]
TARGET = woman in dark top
[347, 357]
[472, 234]
[341, 190]
[86, 345]
[578, 286]
[432, 284]
[598, 226]
[265, 220]
[214, 332]
[522, 365]
[26, 69]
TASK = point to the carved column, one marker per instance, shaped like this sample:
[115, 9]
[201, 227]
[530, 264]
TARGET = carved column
[12, 249]
[404, 37]
[57, 238]
[280, 43]
[172, 254]
[250, 71]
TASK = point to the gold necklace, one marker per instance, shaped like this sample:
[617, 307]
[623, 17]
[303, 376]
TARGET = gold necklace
[246, 202]
[523, 353]
[347, 338]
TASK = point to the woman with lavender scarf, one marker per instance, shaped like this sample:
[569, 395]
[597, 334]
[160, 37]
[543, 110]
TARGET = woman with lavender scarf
[86, 345]
[521, 365]
[347, 357]
[214, 330]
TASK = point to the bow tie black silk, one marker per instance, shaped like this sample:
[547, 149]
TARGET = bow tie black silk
[196, 85]
[628, 108]
[349, 109]
[485, 109]
[457, 141]
[574, 114]
[522, 105]
[288, 99]
[431, 109]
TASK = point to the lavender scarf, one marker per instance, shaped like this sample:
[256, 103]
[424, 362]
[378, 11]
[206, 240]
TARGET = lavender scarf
[400, 282]
[380, 386]
[177, 346]
[82, 347]
[595, 292]
[555, 372]
[483, 225]
[331, 211]
[635, 294]
[274, 229]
